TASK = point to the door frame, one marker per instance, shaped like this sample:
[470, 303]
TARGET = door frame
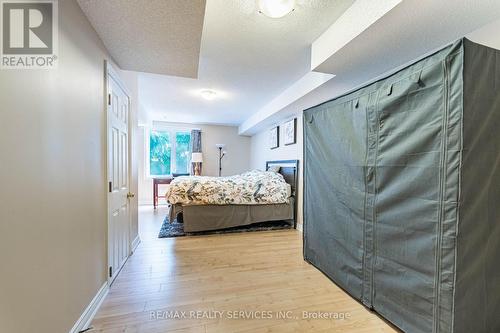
[111, 72]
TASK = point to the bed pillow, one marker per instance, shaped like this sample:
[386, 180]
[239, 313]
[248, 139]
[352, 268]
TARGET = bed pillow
[274, 168]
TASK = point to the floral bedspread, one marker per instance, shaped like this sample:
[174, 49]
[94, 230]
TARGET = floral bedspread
[250, 188]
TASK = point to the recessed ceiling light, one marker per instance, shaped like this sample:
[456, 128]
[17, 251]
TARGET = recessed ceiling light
[208, 94]
[276, 8]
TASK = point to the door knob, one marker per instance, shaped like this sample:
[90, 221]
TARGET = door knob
[130, 195]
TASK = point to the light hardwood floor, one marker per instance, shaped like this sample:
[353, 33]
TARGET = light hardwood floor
[262, 273]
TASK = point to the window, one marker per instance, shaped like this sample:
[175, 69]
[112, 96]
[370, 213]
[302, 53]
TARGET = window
[169, 152]
[160, 153]
[182, 151]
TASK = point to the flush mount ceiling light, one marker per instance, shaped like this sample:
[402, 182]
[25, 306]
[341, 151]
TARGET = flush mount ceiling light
[276, 8]
[208, 94]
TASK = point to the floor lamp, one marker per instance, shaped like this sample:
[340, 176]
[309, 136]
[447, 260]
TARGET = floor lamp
[222, 153]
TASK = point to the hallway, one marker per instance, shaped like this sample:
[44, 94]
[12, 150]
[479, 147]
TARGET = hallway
[208, 283]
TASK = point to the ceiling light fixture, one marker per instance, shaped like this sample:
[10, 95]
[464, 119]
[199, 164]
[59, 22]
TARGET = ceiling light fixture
[208, 94]
[276, 8]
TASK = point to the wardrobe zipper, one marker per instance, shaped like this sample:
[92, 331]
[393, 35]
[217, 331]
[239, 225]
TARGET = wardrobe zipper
[442, 182]
[374, 201]
[365, 173]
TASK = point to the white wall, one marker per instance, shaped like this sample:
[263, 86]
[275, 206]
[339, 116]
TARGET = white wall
[236, 161]
[260, 153]
[53, 193]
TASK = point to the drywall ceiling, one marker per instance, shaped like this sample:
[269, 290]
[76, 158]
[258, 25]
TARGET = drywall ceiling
[156, 36]
[248, 58]
[407, 32]
[411, 29]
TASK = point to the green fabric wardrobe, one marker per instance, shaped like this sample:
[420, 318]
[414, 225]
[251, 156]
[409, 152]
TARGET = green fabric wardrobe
[402, 192]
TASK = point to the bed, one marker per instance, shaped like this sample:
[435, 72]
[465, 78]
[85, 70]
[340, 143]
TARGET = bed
[233, 212]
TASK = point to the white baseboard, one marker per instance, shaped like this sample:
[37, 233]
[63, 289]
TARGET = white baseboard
[86, 318]
[299, 227]
[135, 243]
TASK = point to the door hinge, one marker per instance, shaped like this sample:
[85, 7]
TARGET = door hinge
[109, 99]
[110, 187]
[110, 271]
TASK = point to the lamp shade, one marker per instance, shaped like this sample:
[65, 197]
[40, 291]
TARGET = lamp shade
[197, 158]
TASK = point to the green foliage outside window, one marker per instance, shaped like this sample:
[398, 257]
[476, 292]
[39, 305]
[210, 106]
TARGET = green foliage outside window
[160, 155]
[182, 152]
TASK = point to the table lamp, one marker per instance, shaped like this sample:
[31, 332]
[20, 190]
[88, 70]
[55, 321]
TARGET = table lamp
[197, 159]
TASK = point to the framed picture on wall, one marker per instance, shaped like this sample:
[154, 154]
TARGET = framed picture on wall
[290, 132]
[274, 137]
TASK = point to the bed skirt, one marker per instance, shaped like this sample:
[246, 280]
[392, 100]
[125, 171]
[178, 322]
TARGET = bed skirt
[213, 217]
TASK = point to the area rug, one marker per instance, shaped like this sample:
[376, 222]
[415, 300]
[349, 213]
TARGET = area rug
[176, 229]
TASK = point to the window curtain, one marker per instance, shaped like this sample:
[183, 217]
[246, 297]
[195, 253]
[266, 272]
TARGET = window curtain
[196, 148]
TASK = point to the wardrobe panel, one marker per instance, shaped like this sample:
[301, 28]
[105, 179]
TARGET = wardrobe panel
[335, 153]
[407, 204]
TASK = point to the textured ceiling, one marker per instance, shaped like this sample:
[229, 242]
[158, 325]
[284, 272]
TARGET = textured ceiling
[412, 29]
[155, 36]
[245, 56]
[250, 59]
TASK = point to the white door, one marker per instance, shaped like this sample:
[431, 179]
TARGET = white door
[118, 177]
